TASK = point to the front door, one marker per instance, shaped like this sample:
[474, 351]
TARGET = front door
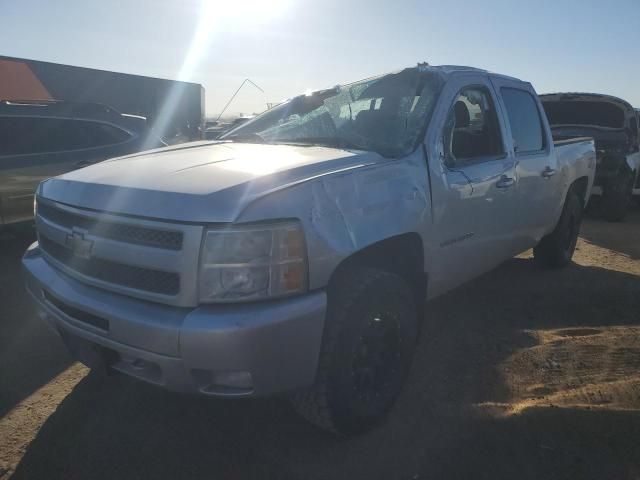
[475, 190]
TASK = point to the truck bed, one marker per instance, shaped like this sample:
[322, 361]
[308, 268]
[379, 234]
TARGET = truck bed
[560, 141]
[576, 159]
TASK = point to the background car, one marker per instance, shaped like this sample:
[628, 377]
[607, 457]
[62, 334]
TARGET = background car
[613, 123]
[215, 130]
[41, 139]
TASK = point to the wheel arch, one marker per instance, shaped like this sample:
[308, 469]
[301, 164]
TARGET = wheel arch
[401, 254]
[580, 187]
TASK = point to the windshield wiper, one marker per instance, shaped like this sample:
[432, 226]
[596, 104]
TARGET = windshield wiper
[245, 137]
[332, 142]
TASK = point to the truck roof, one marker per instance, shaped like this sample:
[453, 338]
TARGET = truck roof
[449, 70]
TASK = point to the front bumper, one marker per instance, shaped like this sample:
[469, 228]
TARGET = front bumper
[219, 350]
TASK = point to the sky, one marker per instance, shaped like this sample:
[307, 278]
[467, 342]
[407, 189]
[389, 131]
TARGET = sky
[289, 46]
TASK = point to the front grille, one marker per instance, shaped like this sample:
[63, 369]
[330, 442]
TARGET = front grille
[150, 237]
[77, 314]
[149, 280]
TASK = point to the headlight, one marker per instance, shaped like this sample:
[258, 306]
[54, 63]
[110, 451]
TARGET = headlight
[252, 262]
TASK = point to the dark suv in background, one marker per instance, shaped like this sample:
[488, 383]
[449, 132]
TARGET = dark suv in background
[42, 139]
[613, 123]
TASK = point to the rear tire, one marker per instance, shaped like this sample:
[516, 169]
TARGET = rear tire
[556, 249]
[616, 198]
[369, 339]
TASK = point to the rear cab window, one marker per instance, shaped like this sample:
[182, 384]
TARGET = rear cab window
[525, 121]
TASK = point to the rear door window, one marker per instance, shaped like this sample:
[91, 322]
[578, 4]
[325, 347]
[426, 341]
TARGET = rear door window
[524, 118]
[96, 134]
[25, 135]
[17, 135]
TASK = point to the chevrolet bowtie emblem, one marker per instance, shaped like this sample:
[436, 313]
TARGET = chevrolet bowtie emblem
[78, 244]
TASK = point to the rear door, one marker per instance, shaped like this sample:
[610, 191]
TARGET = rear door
[473, 182]
[33, 149]
[531, 148]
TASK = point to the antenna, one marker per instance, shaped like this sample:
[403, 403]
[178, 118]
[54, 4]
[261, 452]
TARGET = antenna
[246, 80]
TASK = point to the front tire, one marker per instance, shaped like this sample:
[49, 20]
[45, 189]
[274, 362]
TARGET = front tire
[370, 335]
[556, 249]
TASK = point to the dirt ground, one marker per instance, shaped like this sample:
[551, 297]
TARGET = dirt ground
[523, 373]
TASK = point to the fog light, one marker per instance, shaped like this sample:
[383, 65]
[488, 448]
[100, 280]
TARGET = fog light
[223, 383]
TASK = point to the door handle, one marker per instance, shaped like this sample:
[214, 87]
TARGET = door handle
[505, 182]
[548, 172]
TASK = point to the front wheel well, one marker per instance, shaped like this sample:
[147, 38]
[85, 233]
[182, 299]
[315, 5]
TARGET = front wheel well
[402, 254]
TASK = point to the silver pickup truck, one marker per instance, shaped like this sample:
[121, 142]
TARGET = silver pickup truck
[295, 255]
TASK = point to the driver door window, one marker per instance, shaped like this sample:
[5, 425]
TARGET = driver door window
[472, 133]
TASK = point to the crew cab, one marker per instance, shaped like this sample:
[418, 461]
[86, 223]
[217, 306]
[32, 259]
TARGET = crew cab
[613, 123]
[295, 254]
[43, 138]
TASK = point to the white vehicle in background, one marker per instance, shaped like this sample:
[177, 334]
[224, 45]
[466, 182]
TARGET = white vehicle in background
[295, 255]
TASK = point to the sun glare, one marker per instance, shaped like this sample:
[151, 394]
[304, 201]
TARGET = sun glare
[214, 16]
[244, 12]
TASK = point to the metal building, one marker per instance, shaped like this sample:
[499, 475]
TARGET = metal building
[175, 110]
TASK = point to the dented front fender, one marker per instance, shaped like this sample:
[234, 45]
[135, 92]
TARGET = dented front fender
[347, 211]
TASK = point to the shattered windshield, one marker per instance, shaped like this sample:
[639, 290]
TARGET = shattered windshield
[386, 114]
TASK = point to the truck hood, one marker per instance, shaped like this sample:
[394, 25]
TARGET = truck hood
[575, 101]
[199, 182]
